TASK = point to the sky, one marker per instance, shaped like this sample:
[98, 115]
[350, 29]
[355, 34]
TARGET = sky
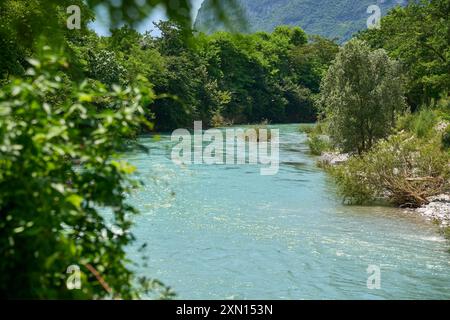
[101, 23]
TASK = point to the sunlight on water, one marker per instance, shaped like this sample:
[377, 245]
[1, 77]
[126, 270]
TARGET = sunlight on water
[226, 232]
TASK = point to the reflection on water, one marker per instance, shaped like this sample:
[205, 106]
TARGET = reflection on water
[226, 232]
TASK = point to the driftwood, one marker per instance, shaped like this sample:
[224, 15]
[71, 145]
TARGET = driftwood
[414, 190]
[422, 179]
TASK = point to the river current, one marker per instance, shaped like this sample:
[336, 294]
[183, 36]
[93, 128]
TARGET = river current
[227, 232]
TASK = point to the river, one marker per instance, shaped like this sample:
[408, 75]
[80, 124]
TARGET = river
[226, 232]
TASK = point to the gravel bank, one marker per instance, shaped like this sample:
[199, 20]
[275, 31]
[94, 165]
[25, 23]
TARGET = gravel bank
[437, 210]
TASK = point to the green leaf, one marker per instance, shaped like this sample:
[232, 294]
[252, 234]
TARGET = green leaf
[75, 200]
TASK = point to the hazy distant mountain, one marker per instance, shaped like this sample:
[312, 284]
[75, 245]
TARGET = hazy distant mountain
[331, 18]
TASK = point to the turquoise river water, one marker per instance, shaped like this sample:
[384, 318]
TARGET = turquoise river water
[226, 232]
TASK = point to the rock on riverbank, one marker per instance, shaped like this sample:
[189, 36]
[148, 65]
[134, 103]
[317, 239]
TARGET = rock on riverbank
[437, 210]
[333, 158]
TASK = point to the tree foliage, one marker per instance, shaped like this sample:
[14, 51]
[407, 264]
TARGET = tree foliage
[361, 94]
[418, 35]
[232, 77]
[59, 172]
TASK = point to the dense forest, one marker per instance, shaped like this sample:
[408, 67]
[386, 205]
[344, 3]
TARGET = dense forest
[221, 78]
[71, 102]
[331, 19]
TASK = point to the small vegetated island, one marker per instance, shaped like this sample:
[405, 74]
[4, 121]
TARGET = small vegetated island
[73, 102]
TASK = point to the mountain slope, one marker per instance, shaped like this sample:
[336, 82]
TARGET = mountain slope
[329, 18]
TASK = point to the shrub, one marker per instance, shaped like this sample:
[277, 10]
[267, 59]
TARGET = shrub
[446, 138]
[58, 169]
[318, 144]
[443, 109]
[217, 120]
[424, 123]
[318, 140]
[421, 124]
[306, 128]
[403, 169]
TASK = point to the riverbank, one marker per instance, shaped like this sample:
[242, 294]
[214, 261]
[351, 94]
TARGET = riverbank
[437, 209]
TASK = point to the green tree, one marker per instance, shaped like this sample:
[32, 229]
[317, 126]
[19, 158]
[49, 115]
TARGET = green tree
[263, 74]
[418, 35]
[311, 61]
[58, 166]
[104, 67]
[62, 184]
[295, 35]
[27, 24]
[361, 94]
